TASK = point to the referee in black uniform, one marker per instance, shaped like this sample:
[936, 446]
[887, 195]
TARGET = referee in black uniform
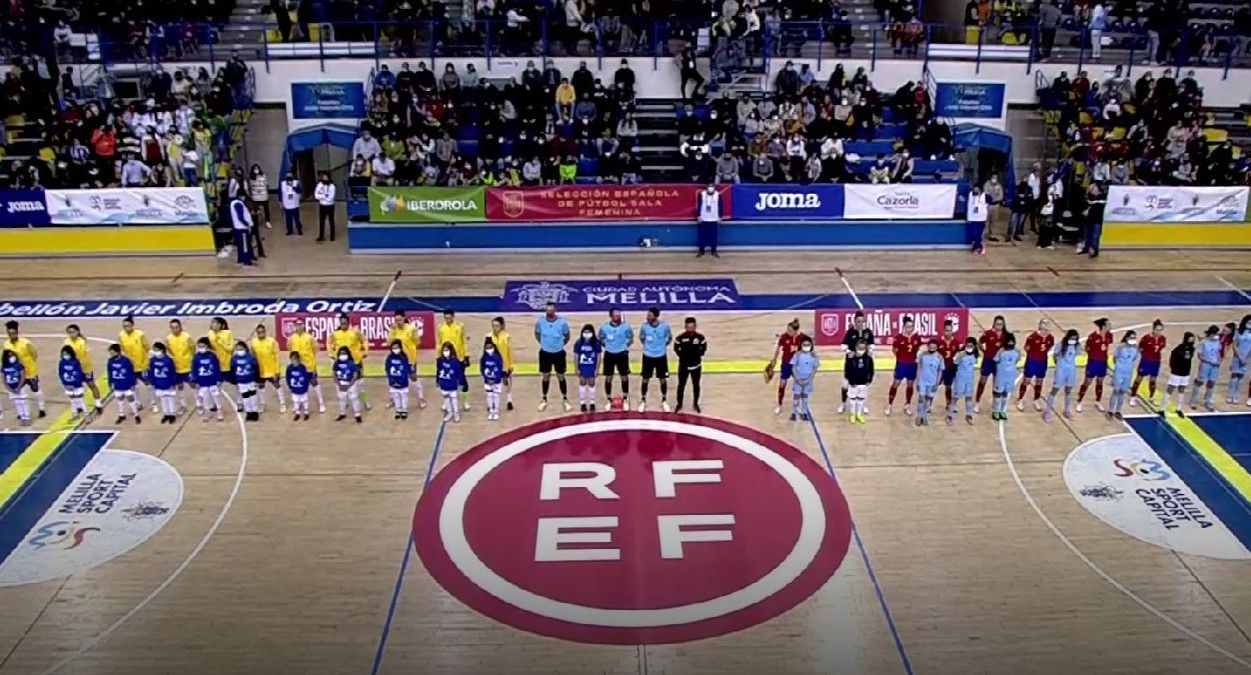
[858, 331]
[690, 347]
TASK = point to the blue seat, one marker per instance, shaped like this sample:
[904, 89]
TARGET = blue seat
[928, 167]
[586, 180]
[588, 167]
[467, 148]
[870, 148]
[889, 132]
[468, 132]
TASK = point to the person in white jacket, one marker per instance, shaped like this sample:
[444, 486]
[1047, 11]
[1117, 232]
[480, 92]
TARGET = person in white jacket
[324, 194]
[289, 198]
[978, 211]
[241, 222]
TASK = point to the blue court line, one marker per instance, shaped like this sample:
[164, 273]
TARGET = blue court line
[1221, 497]
[408, 552]
[40, 493]
[12, 445]
[1232, 432]
[864, 555]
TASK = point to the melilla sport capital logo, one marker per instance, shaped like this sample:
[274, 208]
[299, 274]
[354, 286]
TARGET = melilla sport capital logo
[632, 528]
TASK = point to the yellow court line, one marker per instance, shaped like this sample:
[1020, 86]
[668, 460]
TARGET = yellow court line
[1214, 454]
[40, 451]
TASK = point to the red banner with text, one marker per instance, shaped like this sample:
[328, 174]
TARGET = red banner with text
[373, 325]
[598, 202]
[832, 324]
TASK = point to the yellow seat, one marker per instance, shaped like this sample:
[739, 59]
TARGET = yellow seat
[272, 35]
[1085, 119]
[1215, 135]
[971, 34]
[1009, 38]
[1118, 133]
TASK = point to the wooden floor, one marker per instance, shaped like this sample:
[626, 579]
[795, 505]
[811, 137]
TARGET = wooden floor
[299, 574]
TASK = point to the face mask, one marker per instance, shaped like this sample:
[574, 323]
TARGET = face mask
[66, 357]
[968, 350]
[587, 336]
[158, 354]
[396, 351]
[807, 348]
[343, 357]
[1132, 341]
[240, 352]
[201, 350]
[1072, 342]
[861, 352]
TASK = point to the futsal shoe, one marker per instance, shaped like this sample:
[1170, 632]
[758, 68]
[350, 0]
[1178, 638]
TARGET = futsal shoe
[777, 410]
[466, 405]
[590, 407]
[509, 406]
[1020, 405]
[841, 408]
[908, 410]
[698, 411]
[341, 417]
[1099, 406]
[155, 409]
[421, 404]
[583, 408]
[398, 416]
[642, 406]
[305, 417]
[1077, 408]
[296, 417]
[664, 405]
[542, 406]
[977, 408]
[887, 412]
[447, 415]
[1069, 416]
[969, 419]
[282, 408]
[120, 419]
[678, 410]
[321, 409]
[137, 420]
[794, 417]
[565, 403]
[358, 419]
[951, 420]
[1133, 401]
[1038, 406]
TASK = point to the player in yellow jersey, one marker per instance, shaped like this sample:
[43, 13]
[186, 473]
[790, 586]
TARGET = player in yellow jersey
[303, 343]
[136, 348]
[453, 332]
[181, 347]
[82, 351]
[348, 336]
[504, 344]
[265, 349]
[28, 357]
[222, 342]
[406, 333]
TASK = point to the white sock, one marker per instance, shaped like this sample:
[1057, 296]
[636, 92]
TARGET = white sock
[282, 400]
[321, 399]
[39, 399]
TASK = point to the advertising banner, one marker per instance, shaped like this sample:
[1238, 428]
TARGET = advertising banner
[832, 324]
[328, 100]
[373, 325]
[971, 100]
[23, 208]
[597, 202]
[1175, 204]
[904, 201]
[638, 295]
[787, 202]
[427, 204]
[127, 206]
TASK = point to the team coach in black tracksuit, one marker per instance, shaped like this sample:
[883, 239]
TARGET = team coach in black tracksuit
[690, 347]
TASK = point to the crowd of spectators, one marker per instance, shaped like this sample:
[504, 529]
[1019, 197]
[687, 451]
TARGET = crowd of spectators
[460, 128]
[79, 140]
[132, 28]
[808, 131]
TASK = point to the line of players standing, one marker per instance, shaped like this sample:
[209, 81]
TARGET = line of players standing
[922, 366]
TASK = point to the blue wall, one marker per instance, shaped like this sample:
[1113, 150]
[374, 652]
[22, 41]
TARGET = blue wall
[366, 238]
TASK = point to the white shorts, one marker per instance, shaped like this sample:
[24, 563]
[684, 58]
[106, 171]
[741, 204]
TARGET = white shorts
[493, 388]
[1178, 380]
[74, 393]
[123, 393]
[299, 398]
[248, 388]
[402, 390]
[858, 391]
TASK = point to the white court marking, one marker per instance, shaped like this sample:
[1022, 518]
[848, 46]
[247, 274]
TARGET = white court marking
[230, 500]
[1029, 499]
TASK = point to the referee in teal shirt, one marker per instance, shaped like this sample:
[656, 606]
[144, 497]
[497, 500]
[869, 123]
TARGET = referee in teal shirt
[552, 332]
[655, 336]
[616, 336]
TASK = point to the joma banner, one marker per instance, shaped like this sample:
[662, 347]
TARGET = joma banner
[832, 324]
[373, 325]
[597, 202]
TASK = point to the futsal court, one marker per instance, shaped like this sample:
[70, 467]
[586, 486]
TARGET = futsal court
[300, 547]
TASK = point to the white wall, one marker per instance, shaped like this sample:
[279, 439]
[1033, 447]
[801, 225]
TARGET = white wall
[658, 78]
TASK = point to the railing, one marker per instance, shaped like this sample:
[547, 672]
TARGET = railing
[614, 38]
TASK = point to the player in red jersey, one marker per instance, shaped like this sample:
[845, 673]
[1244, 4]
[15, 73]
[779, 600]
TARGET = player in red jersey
[1151, 348]
[1227, 337]
[905, 345]
[949, 345]
[1037, 352]
[990, 343]
[788, 343]
[1097, 345]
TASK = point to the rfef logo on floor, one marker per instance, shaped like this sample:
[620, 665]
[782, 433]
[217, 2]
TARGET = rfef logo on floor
[632, 529]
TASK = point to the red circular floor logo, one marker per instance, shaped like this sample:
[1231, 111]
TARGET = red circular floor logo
[632, 528]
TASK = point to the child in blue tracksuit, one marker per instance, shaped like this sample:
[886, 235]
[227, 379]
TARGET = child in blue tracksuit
[448, 371]
[163, 377]
[15, 382]
[1005, 376]
[804, 367]
[73, 380]
[1125, 359]
[347, 381]
[929, 373]
[299, 381]
[399, 373]
[1066, 353]
[1242, 358]
[1209, 354]
[586, 353]
[962, 383]
[122, 379]
[206, 377]
[247, 373]
[491, 366]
